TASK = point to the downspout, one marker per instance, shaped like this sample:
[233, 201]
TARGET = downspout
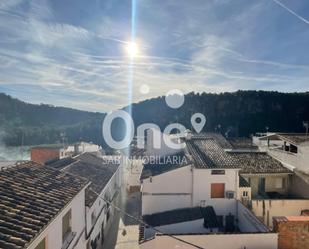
[236, 194]
[85, 216]
[192, 184]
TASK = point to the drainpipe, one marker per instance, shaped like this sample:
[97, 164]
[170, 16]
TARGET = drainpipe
[236, 193]
[192, 184]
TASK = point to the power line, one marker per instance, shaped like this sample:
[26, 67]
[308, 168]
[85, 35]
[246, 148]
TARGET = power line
[142, 222]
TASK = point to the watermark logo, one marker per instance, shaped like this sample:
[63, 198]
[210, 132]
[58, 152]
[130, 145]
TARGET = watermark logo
[174, 99]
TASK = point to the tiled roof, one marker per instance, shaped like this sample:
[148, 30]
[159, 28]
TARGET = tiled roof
[183, 215]
[164, 164]
[220, 139]
[211, 151]
[60, 163]
[92, 166]
[31, 195]
[207, 153]
[261, 162]
[242, 143]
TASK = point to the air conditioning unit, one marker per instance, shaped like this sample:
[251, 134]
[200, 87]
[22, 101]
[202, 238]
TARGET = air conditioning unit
[230, 194]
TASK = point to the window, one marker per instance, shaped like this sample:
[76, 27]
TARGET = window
[245, 193]
[218, 172]
[66, 224]
[217, 190]
[41, 245]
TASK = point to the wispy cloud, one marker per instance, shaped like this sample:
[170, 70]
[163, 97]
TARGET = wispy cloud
[77, 58]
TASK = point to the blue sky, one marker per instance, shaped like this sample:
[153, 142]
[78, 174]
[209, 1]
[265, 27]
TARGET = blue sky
[71, 53]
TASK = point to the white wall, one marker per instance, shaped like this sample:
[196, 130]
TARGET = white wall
[295, 160]
[216, 241]
[53, 232]
[171, 190]
[160, 203]
[99, 206]
[267, 209]
[202, 180]
[240, 193]
[174, 181]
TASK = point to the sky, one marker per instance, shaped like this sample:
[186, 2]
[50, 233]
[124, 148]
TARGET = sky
[72, 53]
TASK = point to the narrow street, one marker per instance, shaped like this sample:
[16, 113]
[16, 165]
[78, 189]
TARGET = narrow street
[123, 231]
[112, 231]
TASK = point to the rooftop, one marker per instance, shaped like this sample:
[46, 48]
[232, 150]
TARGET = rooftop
[292, 218]
[211, 151]
[258, 163]
[31, 196]
[164, 164]
[294, 138]
[208, 153]
[92, 166]
[242, 143]
[183, 215]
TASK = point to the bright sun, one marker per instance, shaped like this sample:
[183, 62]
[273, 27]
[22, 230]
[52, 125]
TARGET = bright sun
[132, 49]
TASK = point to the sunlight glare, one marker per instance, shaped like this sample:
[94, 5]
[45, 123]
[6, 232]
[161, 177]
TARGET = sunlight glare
[132, 49]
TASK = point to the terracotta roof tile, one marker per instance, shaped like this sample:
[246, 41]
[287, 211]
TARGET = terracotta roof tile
[31, 195]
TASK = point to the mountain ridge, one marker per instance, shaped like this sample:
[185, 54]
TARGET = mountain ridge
[239, 113]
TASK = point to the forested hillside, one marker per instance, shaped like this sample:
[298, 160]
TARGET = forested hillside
[43, 124]
[237, 114]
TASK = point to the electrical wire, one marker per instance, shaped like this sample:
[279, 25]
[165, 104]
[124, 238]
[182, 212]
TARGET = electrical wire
[140, 221]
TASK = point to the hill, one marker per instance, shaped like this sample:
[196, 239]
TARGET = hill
[41, 124]
[239, 113]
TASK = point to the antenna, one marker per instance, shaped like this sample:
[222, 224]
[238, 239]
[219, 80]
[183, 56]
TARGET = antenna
[306, 125]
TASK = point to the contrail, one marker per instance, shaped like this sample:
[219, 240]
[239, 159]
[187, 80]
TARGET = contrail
[291, 11]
